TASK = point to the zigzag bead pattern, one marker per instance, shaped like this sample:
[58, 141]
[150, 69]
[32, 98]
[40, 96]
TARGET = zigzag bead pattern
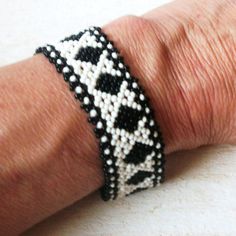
[131, 145]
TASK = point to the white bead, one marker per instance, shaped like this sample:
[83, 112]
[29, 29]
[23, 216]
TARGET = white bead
[123, 139]
[124, 102]
[141, 123]
[49, 48]
[99, 125]
[134, 106]
[158, 145]
[66, 69]
[145, 136]
[73, 78]
[102, 38]
[104, 95]
[122, 132]
[137, 132]
[96, 32]
[141, 96]
[121, 65]
[132, 94]
[134, 85]
[159, 156]
[107, 151]
[125, 83]
[104, 139]
[78, 90]
[139, 107]
[151, 122]
[86, 101]
[144, 119]
[113, 72]
[103, 70]
[93, 113]
[159, 170]
[118, 73]
[109, 46]
[111, 170]
[127, 92]
[114, 55]
[127, 75]
[59, 61]
[109, 123]
[99, 45]
[52, 54]
[113, 98]
[132, 142]
[147, 110]
[109, 162]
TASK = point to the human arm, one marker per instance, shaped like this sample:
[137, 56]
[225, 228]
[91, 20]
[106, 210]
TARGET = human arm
[49, 146]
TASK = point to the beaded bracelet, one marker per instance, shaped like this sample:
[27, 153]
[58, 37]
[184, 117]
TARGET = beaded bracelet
[131, 146]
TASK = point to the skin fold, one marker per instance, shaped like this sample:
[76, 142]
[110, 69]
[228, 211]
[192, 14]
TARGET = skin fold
[184, 55]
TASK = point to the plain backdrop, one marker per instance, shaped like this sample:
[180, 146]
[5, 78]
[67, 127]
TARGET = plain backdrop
[199, 196]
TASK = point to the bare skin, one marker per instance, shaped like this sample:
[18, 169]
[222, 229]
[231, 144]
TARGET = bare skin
[184, 55]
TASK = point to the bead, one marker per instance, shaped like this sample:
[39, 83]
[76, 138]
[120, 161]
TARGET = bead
[109, 46]
[59, 61]
[72, 78]
[52, 54]
[121, 65]
[117, 107]
[134, 85]
[104, 139]
[109, 162]
[86, 101]
[78, 90]
[99, 125]
[107, 151]
[151, 122]
[65, 69]
[93, 113]
[127, 75]
[141, 96]
[147, 110]
[48, 48]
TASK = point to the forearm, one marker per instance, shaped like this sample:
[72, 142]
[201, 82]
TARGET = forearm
[49, 155]
[48, 152]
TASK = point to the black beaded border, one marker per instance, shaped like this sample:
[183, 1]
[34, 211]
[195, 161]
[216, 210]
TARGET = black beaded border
[159, 162]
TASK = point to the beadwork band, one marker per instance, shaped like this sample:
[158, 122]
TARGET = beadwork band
[131, 146]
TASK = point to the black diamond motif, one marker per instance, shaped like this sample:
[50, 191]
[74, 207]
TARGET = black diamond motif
[108, 83]
[89, 54]
[138, 153]
[139, 177]
[128, 118]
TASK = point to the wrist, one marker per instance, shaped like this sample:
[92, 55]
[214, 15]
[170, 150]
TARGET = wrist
[146, 55]
[187, 96]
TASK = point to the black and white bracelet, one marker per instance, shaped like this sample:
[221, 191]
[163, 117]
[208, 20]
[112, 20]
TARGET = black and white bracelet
[131, 146]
